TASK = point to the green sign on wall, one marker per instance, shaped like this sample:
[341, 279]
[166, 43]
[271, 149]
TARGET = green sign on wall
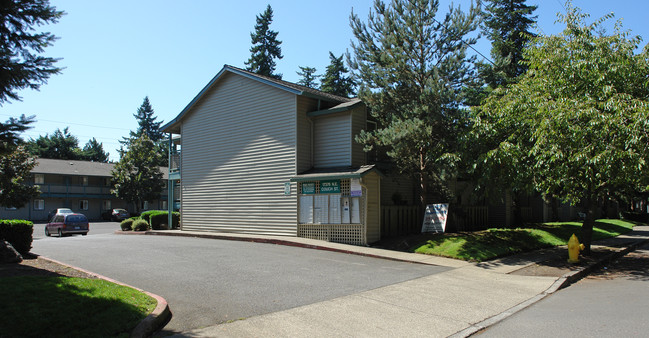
[308, 188]
[330, 187]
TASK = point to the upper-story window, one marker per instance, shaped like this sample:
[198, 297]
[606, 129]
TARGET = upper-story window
[84, 180]
[39, 179]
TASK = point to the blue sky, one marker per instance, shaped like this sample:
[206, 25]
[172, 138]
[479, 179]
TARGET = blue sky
[117, 52]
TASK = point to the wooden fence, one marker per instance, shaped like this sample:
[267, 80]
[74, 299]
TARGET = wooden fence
[397, 220]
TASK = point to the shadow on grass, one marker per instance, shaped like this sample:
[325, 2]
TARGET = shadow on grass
[56, 306]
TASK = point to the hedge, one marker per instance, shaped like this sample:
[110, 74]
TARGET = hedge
[160, 219]
[18, 233]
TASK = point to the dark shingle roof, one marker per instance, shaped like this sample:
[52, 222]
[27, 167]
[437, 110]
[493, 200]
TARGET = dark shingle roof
[78, 168]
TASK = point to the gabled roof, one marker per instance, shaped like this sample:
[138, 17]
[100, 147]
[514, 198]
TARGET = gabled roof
[79, 168]
[280, 84]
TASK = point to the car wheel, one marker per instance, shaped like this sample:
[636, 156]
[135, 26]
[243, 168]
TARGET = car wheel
[84, 233]
[60, 233]
[47, 232]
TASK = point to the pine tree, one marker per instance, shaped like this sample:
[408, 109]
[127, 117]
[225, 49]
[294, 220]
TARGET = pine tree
[22, 66]
[60, 145]
[94, 151]
[507, 24]
[149, 127]
[308, 77]
[9, 132]
[334, 80]
[147, 124]
[412, 68]
[265, 47]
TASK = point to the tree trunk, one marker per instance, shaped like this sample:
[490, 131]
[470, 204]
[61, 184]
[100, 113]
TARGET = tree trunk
[423, 181]
[518, 216]
[587, 226]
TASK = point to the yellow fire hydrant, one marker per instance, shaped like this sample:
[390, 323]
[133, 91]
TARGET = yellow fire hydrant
[573, 249]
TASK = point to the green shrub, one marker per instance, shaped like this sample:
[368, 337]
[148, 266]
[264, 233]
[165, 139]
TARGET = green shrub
[140, 225]
[160, 219]
[18, 233]
[126, 224]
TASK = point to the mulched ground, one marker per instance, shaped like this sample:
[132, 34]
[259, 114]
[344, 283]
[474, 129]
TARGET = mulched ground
[35, 266]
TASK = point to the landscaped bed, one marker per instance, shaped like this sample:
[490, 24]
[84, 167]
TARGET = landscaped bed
[488, 244]
[39, 299]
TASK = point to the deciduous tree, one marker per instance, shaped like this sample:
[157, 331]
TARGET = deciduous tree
[15, 164]
[137, 177]
[579, 115]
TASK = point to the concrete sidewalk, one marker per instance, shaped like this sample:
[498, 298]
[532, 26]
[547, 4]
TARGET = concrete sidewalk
[458, 302]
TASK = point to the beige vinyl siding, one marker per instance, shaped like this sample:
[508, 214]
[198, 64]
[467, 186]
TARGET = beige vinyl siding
[304, 130]
[238, 151]
[332, 141]
[372, 182]
[359, 121]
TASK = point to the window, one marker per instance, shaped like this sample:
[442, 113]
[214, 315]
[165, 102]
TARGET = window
[164, 205]
[39, 179]
[107, 182]
[83, 204]
[145, 205]
[84, 180]
[106, 205]
[39, 205]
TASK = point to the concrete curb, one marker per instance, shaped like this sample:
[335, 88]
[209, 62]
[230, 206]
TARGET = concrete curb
[155, 321]
[277, 241]
[562, 282]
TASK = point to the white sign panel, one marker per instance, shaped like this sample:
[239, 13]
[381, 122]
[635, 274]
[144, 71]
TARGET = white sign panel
[355, 188]
[435, 218]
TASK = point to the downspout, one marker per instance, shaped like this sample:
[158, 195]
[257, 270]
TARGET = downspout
[360, 180]
[170, 188]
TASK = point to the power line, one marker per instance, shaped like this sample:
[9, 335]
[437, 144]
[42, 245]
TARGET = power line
[72, 123]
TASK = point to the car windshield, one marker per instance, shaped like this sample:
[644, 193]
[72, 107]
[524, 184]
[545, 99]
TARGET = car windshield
[120, 210]
[77, 218]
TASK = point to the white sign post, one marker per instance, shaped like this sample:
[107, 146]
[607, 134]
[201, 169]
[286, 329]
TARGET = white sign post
[435, 218]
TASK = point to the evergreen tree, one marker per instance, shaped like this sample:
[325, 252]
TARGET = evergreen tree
[412, 68]
[94, 151]
[9, 133]
[507, 24]
[21, 65]
[60, 145]
[147, 124]
[265, 47]
[335, 81]
[308, 77]
[137, 177]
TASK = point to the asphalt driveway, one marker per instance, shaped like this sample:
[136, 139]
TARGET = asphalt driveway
[208, 281]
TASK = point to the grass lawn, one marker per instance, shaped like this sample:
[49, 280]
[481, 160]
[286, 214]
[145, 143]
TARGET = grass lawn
[492, 243]
[35, 306]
